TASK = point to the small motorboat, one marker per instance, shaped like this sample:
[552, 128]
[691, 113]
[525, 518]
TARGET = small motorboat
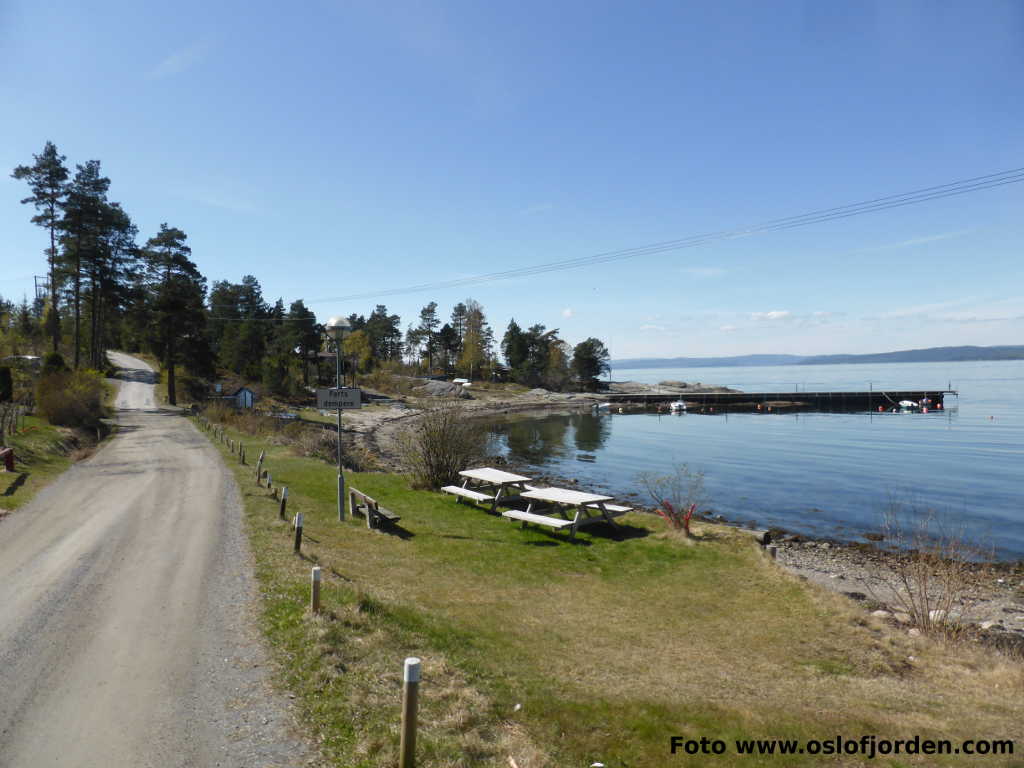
[677, 406]
[602, 406]
[908, 405]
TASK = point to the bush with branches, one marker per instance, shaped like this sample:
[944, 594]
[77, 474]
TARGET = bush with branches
[72, 399]
[933, 566]
[440, 444]
[676, 494]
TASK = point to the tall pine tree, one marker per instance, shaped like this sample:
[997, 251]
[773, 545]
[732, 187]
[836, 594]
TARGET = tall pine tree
[47, 179]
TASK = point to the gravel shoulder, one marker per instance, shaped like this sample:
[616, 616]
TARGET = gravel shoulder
[127, 604]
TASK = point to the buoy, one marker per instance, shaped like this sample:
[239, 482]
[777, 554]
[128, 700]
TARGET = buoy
[939, 406]
[925, 409]
[881, 408]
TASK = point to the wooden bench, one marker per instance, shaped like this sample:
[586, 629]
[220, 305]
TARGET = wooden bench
[375, 514]
[461, 493]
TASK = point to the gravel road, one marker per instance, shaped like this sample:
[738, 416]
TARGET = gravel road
[126, 610]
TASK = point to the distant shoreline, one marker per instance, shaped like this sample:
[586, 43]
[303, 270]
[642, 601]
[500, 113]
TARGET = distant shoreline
[963, 354]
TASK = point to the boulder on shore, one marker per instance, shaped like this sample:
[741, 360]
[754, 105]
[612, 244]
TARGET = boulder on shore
[441, 389]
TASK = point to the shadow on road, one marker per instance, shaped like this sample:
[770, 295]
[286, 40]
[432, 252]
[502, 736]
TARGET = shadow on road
[136, 374]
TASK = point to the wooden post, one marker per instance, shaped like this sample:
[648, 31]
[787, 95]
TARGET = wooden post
[270, 480]
[298, 533]
[410, 696]
[773, 551]
[314, 597]
[284, 502]
[241, 454]
[341, 493]
[259, 466]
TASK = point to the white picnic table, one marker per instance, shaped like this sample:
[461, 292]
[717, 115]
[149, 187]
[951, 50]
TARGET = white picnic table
[496, 481]
[590, 508]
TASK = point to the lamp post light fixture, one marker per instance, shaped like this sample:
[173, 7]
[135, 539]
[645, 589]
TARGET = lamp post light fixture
[337, 328]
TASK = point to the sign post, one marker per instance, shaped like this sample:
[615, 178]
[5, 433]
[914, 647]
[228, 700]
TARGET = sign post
[339, 397]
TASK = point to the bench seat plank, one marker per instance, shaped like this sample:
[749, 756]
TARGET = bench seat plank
[530, 517]
[612, 509]
[474, 495]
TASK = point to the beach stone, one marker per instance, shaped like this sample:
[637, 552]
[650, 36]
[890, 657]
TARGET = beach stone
[902, 618]
[914, 632]
[824, 545]
[937, 615]
[989, 624]
[880, 614]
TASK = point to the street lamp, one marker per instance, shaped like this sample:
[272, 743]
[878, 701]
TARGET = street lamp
[337, 328]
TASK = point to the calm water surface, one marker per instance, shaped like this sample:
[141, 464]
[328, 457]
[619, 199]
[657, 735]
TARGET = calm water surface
[820, 473]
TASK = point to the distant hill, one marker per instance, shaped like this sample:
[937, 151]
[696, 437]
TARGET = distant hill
[930, 355]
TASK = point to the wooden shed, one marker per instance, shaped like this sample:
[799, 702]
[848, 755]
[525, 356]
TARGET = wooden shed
[243, 397]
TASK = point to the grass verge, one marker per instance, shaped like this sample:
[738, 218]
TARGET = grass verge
[41, 453]
[555, 653]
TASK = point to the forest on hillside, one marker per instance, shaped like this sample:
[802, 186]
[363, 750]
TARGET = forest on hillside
[106, 288]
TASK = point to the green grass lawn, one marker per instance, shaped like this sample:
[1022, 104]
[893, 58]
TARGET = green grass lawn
[559, 653]
[41, 453]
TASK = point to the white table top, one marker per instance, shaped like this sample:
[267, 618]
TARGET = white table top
[564, 496]
[496, 476]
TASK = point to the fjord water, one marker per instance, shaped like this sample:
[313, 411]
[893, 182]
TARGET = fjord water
[824, 474]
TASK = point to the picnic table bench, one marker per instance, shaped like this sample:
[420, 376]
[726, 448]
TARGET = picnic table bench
[376, 515]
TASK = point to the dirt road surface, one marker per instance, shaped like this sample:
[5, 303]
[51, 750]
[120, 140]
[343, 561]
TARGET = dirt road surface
[126, 605]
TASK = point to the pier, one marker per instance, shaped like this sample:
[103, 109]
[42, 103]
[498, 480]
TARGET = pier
[870, 400]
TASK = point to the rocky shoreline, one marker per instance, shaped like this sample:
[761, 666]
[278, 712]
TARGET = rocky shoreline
[993, 605]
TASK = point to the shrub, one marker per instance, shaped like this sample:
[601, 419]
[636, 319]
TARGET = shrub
[933, 568]
[439, 445]
[72, 399]
[675, 495]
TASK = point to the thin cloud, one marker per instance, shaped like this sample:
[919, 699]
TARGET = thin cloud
[922, 309]
[772, 315]
[920, 240]
[567, 312]
[180, 61]
[727, 328]
[652, 327]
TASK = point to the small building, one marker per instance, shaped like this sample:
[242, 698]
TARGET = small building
[242, 398]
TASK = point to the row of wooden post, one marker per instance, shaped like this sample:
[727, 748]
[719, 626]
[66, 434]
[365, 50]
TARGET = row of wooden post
[411, 670]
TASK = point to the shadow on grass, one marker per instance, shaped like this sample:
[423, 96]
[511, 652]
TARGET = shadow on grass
[19, 481]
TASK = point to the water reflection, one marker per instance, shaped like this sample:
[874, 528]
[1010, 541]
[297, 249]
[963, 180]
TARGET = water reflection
[540, 441]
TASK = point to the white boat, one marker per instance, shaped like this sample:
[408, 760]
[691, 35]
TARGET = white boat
[602, 406]
[908, 404]
[677, 406]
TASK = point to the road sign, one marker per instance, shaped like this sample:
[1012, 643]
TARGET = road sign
[332, 399]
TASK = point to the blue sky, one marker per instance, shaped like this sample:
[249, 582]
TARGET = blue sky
[339, 148]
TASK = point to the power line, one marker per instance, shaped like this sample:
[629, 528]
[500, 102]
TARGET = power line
[926, 194]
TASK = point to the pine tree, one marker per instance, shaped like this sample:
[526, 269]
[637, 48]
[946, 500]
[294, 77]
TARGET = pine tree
[428, 332]
[178, 328]
[47, 179]
[82, 228]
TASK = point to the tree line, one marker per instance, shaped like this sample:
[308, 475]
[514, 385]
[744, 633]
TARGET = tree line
[106, 290]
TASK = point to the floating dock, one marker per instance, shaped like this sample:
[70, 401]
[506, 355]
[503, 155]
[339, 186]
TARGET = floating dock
[871, 400]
